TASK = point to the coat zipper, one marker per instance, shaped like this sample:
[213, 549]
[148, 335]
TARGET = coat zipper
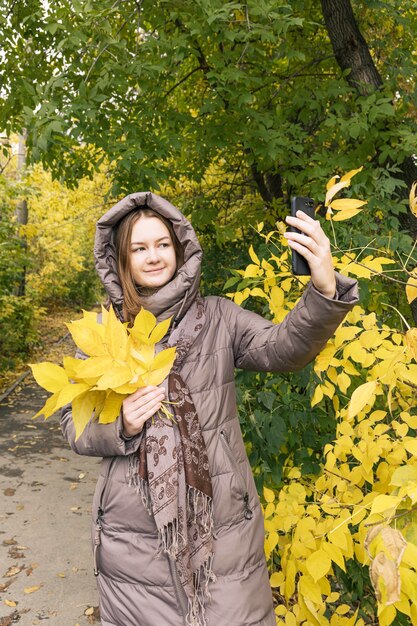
[99, 519]
[226, 445]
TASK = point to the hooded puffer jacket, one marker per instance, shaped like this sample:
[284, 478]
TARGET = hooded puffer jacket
[135, 587]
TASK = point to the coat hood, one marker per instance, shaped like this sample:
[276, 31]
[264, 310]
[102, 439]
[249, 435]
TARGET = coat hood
[175, 297]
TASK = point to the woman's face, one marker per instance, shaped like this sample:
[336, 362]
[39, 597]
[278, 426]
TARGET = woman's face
[152, 254]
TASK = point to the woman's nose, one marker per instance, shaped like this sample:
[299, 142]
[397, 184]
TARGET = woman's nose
[152, 255]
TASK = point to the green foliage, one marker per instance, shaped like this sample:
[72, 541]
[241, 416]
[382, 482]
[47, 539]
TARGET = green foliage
[166, 89]
[51, 255]
[278, 423]
[13, 256]
[340, 486]
[18, 322]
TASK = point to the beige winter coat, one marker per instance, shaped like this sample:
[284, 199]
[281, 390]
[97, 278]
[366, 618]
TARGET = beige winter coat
[137, 589]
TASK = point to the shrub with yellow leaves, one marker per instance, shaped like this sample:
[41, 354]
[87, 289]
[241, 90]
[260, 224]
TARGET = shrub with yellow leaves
[330, 536]
[119, 361]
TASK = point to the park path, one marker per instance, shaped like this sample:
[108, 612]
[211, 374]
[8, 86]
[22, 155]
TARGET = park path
[46, 573]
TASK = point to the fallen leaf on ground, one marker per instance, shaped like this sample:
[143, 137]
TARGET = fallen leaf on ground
[10, 619]
[9, 491]
[13, 617]
[30, 569]
[15, 554]
[10, 542]
[10, 603]
[32, 589]
[94, 617]
[13, 570]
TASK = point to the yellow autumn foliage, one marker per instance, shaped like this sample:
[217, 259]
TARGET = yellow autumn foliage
[119, 361]
[59, 236]
[361, 507]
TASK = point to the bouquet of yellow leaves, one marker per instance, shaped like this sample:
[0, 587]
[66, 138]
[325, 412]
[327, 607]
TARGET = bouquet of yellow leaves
[120, 361]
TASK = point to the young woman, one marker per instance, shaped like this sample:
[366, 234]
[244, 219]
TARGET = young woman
[177, 527]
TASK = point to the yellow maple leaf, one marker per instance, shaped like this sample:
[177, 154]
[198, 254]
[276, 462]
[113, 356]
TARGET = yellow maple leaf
[115, 336]
[360, 398]
[50, 376]
[119, 361]
[411, 341]
[332, 182]
[269, 495]
[146, 330]
[347, 203]
[413, 199]
[345, 214]
[318, 564]
[49, 407]
[83, 407]
[111, 408]
[254, 256]
[347, 207]
[333, 190]
[411, 287]
[317, 396]
[160, 367]
[119, 374]
[88, 335]
[349, 175]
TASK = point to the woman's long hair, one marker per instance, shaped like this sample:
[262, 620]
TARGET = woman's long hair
[131, 291]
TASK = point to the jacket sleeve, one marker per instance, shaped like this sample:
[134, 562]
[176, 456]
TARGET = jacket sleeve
[98, 439]
[261, 345]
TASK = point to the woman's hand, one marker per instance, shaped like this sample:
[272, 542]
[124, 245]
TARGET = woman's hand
[314, 246]
[139, 407]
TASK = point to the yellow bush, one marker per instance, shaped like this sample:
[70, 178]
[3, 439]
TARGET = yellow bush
[362, 507]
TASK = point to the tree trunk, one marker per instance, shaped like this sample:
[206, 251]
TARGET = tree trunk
[22, 206]
[269, 185]
[353, 56]
[349, 46]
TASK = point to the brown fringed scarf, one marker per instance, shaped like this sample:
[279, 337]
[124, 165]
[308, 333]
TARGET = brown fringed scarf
[171, 473]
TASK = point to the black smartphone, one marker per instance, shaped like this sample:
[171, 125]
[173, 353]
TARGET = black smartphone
[300, 266]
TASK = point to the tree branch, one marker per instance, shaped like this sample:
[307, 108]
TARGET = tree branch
[196, 69]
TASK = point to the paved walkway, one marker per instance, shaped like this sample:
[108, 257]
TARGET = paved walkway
[46, 573]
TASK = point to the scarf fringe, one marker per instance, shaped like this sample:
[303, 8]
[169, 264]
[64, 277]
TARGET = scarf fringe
[169, 540]
[141, 486]
[196, 605]
[200, 505]
[200, 509]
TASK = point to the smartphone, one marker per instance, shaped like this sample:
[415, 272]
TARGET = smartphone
[300, 266]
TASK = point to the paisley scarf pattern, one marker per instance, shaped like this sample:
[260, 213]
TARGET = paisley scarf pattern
[171, 473]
